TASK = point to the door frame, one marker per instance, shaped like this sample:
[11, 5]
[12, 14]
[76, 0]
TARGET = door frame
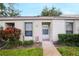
[46, 26]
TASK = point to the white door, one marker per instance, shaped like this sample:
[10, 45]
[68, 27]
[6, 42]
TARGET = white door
[45, 32]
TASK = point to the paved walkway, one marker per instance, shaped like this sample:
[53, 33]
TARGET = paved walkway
[49, 49]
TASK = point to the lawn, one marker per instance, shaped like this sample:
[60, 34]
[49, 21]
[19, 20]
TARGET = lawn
[69, 51]
[22, 52]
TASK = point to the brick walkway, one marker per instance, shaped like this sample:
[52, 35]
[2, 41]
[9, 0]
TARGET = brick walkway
[49, 49]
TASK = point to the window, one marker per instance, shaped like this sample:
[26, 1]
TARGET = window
[69, 27]
[45, 29]
[10, 25]
[28, 29]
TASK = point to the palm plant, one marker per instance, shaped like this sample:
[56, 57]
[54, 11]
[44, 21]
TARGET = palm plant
[2, 10]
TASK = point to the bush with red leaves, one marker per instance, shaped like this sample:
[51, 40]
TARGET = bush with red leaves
[10, 33]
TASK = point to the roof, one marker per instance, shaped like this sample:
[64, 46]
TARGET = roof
[40, 18]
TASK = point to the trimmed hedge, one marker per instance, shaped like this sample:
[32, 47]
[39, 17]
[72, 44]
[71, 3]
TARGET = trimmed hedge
[30, 42]
[19, 43]
[69, 39]
[13, 44]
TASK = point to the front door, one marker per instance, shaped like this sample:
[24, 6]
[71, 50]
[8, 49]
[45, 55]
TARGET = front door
[45, 32]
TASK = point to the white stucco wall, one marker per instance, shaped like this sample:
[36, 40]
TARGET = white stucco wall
[58, 27]
[76, 26]
[37, 28]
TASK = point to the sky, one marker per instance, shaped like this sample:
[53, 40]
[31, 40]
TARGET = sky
[34, 9]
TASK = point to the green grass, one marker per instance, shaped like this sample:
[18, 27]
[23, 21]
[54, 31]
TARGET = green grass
[22, 52]
[69, 51]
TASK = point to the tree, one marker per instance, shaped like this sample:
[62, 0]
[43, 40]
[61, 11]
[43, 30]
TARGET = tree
[8, 10]
[11, 11]
[51, 12]
[45, 12]
[2, 10]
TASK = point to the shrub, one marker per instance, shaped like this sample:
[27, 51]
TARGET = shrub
[30, 42]
[12, 44]
[11, 34]
[69, 39]
[19, 43]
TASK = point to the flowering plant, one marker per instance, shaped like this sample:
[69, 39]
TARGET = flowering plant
[12, 33]
[9, 33]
